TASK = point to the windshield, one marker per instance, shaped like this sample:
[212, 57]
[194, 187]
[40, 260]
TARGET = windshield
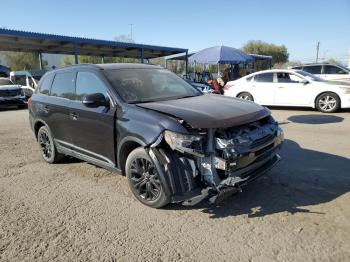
[310, 76]
[4, 82]
[139, 85]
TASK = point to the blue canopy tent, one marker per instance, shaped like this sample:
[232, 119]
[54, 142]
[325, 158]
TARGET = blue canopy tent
[221, 55]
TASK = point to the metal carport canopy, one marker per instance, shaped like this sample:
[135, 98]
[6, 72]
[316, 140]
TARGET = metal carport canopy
[22, 41]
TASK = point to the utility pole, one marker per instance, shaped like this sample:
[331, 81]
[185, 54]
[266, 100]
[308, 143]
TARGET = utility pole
[131, 25]
[317, 49]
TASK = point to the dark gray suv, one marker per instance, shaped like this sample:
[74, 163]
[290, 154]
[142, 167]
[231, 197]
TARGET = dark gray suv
[169, 139]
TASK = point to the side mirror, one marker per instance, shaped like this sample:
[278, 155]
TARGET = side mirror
[305, 82]
[95, 100]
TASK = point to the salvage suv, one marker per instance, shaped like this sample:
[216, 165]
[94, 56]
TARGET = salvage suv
[172, 142]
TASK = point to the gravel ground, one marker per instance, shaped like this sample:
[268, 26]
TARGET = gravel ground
[75, 211]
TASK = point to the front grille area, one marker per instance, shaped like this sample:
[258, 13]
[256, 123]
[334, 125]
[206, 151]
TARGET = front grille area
[263, 140]
[9, 93]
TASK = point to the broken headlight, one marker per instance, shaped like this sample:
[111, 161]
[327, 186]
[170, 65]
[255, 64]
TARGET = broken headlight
[191, 144]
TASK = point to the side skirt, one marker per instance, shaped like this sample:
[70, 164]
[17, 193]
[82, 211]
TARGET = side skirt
[71, 152]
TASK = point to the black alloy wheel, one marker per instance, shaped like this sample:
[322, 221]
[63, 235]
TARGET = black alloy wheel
[144, 180]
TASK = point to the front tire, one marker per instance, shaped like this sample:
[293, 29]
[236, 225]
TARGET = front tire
[144, 179]
[47, 146]
[245, 96]
[328, 102]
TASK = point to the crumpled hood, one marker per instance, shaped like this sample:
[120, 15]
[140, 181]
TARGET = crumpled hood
[210, 111]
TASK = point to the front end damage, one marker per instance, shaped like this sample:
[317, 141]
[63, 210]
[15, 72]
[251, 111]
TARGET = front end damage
[215, 160]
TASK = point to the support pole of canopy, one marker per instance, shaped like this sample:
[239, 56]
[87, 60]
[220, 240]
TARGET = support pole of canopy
[194, 70]
[40, 60]
[142, 56]
[103, 59]
[76, 60]
[186, 64]
[218, 70]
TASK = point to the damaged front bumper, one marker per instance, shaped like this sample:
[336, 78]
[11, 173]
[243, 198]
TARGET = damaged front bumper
[185, 175]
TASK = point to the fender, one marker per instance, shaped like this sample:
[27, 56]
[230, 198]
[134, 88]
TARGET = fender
[123, 142]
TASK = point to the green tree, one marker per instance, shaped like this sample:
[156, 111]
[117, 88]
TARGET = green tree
[124, 38]
[333, 61]
[279, 53]
[21, 60]
[286, 64]
[82, 59]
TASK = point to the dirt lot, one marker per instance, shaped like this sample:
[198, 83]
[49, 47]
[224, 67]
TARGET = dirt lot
[75, 211]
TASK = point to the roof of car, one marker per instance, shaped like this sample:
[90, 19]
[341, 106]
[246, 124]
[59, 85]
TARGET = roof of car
[106, 66]
[277, 70]
[314, 64]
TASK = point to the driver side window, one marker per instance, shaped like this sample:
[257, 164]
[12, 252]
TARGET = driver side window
[88, 83]
[288, 78]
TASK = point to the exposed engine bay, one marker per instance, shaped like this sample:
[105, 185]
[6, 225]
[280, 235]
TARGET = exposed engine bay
[221, 159]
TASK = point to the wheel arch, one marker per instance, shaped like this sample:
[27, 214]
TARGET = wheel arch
[324, 92]
[37, 125]
[238, 94]
[126, 145]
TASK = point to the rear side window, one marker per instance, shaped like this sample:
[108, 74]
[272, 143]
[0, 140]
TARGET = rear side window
[45, 85]
[63, 85]
[313, 69]
[88, 83]
[266, 77]
[330, 69]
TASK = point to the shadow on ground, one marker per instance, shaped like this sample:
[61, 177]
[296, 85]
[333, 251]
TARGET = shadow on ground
[315, 119]
[303, 178]
[11, 108]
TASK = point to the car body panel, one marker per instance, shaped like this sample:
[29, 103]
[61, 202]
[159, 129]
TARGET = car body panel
[210, 111]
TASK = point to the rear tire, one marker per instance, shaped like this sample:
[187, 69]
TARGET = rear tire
[245, 96]
[144, 179]
[47, 146]
[328, 102]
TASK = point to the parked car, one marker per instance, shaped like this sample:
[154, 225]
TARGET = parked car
[290, 88]
[205, 88]
[326, 71]
[11, 94]
[169, 139]
[27, 79]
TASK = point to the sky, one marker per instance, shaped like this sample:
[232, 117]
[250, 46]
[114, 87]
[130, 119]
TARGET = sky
[195, 25]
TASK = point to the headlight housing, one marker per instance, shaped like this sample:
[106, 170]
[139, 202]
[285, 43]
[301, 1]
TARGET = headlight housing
[184, 143]
[22, 92]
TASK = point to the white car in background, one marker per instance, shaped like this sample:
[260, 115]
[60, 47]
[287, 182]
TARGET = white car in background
[290, 88]
[326, 71]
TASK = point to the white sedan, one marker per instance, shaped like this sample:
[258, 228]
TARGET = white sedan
[290, 88]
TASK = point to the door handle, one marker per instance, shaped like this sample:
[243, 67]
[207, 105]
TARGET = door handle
[281, 87]
[74, 116]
